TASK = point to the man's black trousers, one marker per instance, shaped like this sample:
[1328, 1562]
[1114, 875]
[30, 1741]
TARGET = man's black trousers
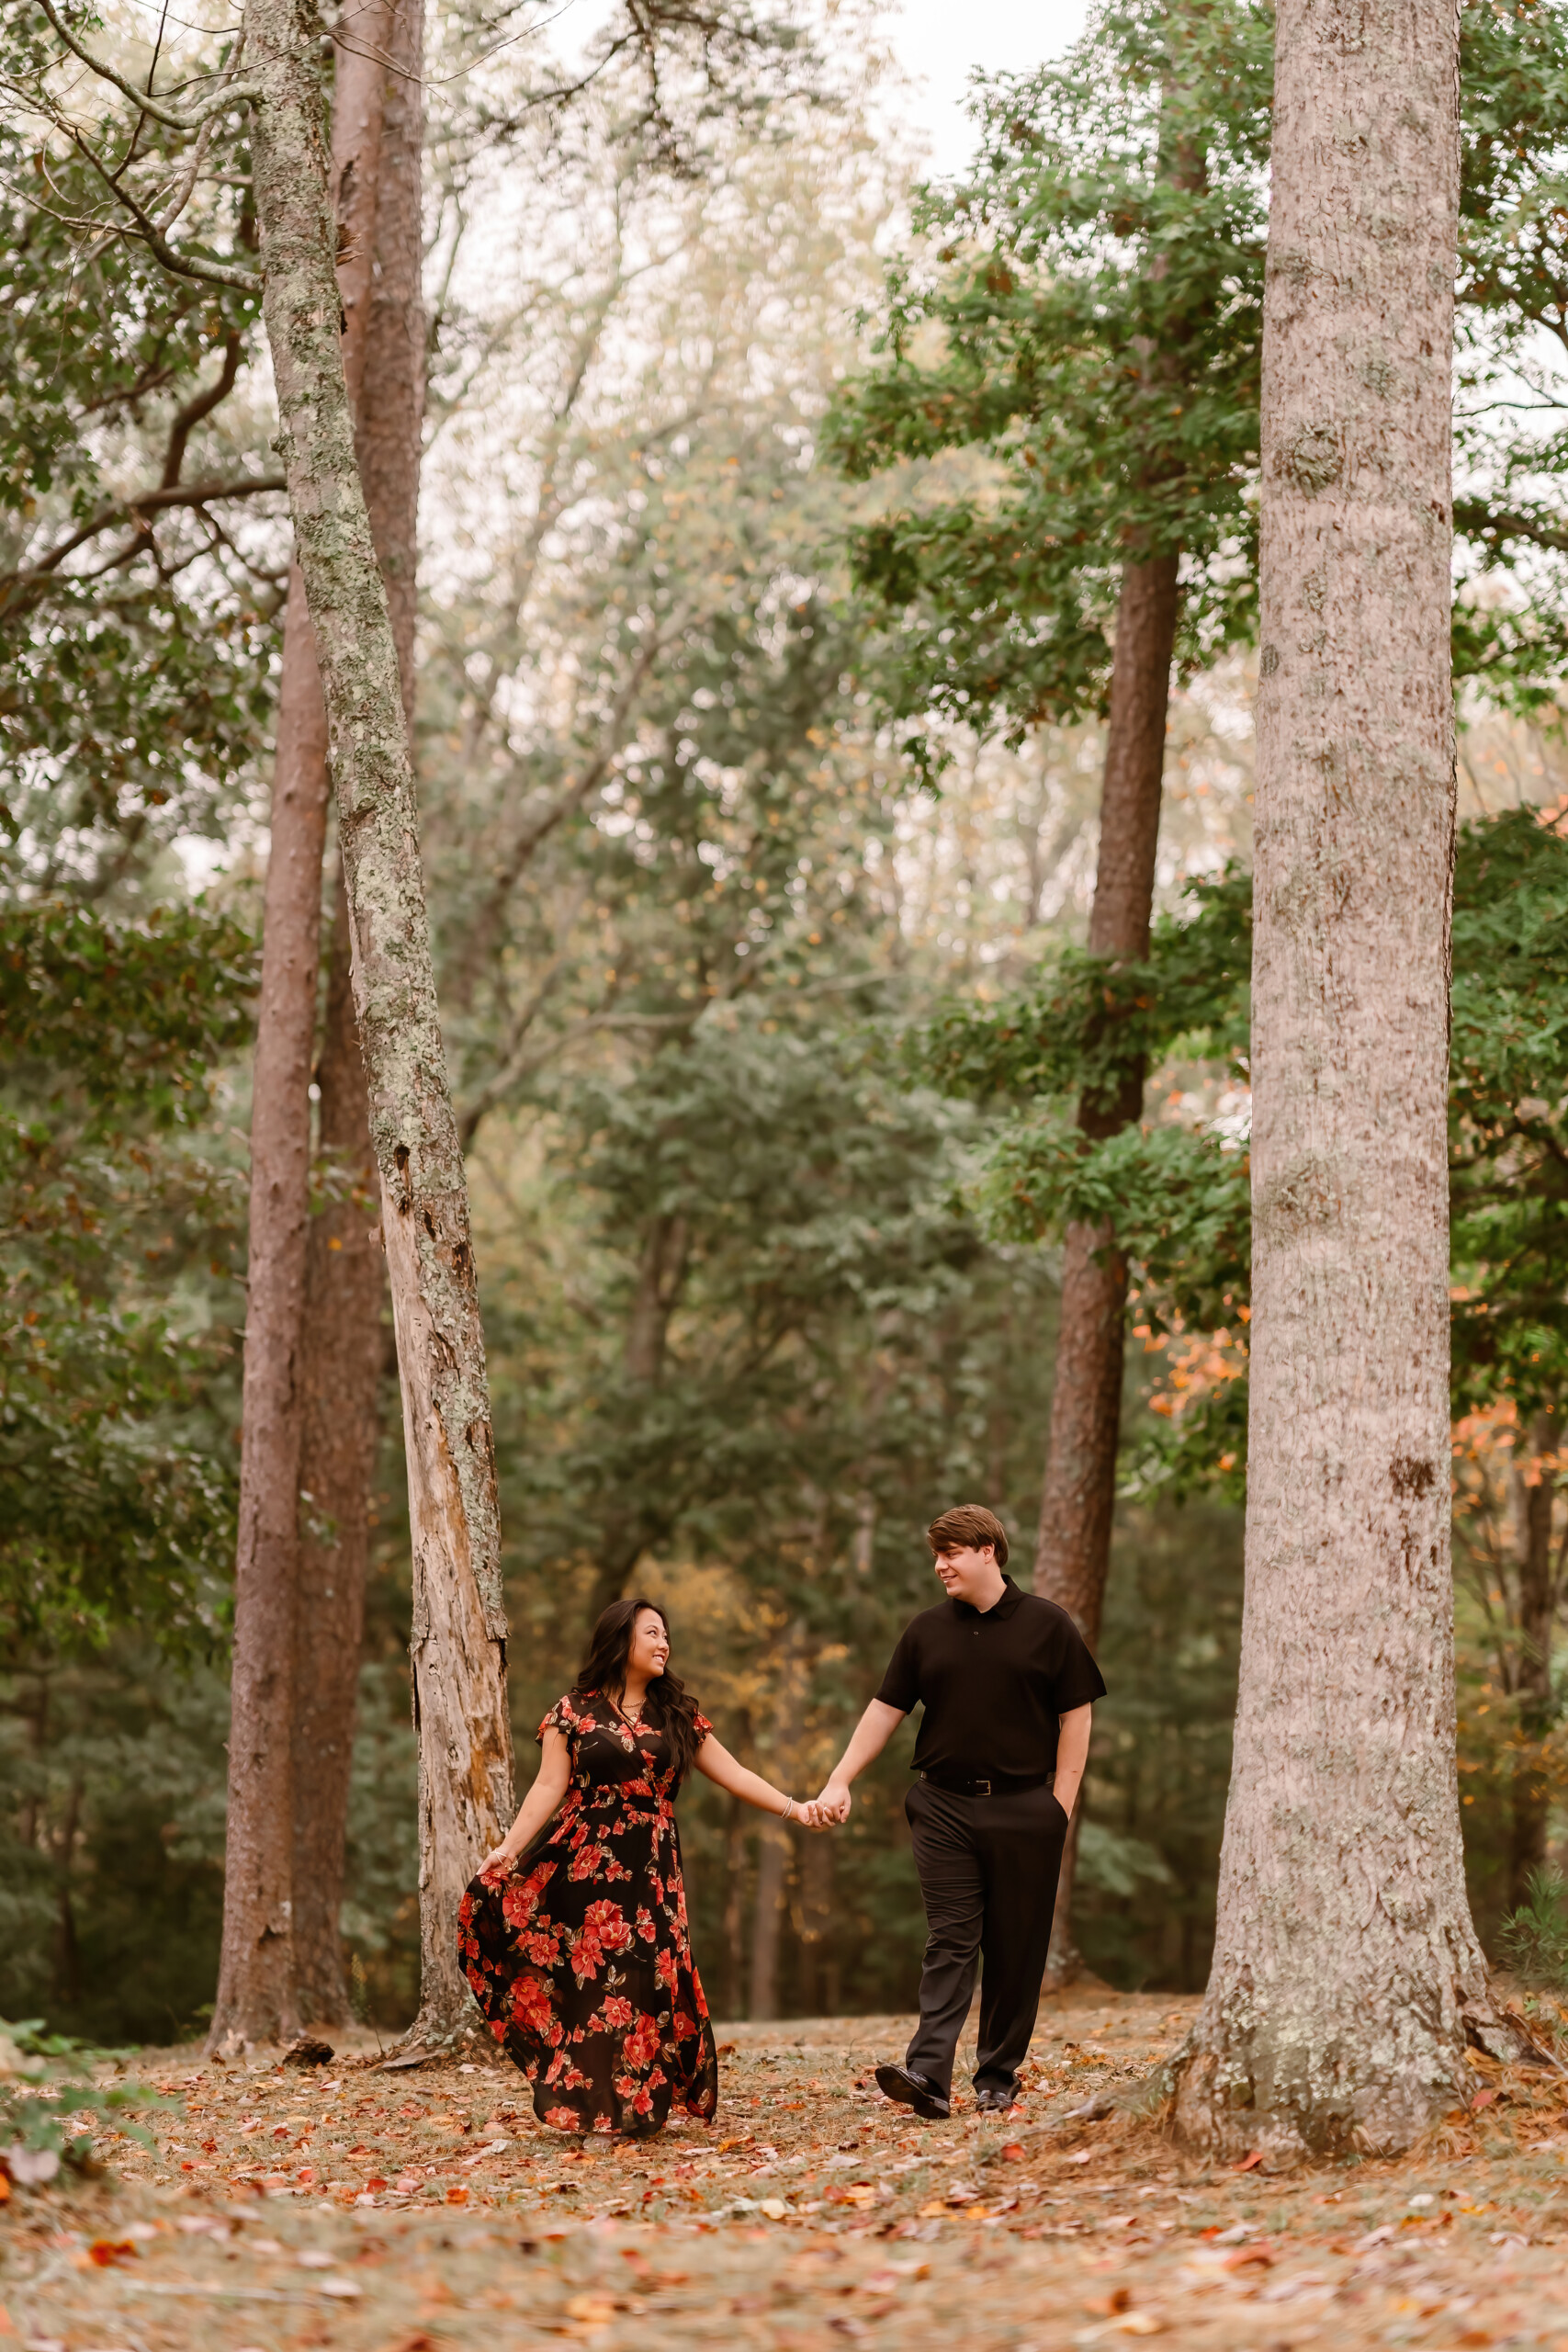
[988, 1869]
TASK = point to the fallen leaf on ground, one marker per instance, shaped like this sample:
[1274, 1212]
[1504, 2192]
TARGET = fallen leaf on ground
[105, 2252]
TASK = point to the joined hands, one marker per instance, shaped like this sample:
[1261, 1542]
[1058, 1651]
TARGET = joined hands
[827, 1811]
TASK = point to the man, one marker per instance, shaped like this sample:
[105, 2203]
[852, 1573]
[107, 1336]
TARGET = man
[1008, 1687]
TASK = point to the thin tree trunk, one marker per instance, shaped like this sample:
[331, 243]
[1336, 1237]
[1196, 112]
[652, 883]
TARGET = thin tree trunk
[459, 1627]
[1538, 1611]
[662, 1274]
[1078, 1499]
[256, 1999]
[734, 1910]
[814, 1858]
[377, 139]
[767, 1920]
[1344, 1961]
[344, 1352]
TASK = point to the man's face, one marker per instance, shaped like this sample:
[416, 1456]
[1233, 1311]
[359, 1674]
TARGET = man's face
[968, 1575]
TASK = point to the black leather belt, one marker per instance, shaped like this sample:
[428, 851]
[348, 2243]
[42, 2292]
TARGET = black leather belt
[955, 1786]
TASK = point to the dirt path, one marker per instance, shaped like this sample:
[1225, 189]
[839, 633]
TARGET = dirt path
[413, 2212]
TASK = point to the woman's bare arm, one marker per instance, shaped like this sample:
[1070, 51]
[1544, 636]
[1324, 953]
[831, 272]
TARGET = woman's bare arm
[543, 1801]
[715, 1762]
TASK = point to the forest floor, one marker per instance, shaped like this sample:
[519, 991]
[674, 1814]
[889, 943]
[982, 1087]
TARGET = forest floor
[418, 2211]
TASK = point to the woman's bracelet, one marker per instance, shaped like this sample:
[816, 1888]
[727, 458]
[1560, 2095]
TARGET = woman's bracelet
[789, 1809]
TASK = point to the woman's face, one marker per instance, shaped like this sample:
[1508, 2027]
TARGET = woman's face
[650, 1646]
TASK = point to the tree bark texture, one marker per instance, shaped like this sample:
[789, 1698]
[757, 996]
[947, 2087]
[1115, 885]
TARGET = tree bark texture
[459, 1627]
[1537, 1616]
[256, 1999]
[1078, 1499]
[1344, 1961]
[377, 140]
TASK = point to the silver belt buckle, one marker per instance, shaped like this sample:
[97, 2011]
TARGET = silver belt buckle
[982, 1787]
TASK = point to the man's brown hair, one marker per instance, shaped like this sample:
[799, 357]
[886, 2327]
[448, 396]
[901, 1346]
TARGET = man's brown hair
[968, 1528]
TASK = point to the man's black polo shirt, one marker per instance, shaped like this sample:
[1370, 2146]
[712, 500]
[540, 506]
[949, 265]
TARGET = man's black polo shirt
[993, 1683]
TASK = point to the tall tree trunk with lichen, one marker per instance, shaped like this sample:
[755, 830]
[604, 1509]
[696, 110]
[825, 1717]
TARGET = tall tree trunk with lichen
[459, 1642]
[1345, 1972]
[378, 136]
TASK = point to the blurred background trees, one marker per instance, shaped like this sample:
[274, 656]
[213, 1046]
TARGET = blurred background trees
[766, 1220]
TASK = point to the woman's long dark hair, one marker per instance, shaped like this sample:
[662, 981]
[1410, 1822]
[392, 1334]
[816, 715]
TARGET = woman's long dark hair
[670, 1705]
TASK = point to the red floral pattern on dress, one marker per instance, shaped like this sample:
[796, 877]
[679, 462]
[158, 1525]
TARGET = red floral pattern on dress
[595, 1997]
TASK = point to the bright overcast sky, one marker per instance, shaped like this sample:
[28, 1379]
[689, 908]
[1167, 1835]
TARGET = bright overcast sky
[940, 42]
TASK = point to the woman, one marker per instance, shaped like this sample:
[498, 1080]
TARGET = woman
[574, 1937]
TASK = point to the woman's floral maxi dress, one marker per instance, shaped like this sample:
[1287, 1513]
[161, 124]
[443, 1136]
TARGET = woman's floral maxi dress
[579, 1956]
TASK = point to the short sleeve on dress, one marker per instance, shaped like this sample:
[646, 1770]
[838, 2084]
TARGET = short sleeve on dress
[563, 1718]
[701, 1727]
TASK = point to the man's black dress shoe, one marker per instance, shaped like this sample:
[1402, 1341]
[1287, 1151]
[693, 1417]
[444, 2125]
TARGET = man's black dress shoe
[913, 2090]
[995, 2102]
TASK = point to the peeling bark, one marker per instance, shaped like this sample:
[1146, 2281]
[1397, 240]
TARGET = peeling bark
[255, 2000]
[377, 139]
[1347, 1974]
[459, 1627]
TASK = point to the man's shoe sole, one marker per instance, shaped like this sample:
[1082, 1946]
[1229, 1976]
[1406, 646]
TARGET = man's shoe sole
[894, 2084]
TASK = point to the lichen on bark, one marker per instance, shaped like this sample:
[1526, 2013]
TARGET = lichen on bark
[459, 1622]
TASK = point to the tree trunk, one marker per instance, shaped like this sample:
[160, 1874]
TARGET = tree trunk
[256, 1999]
[1344, 1961]
[344, 1352]
[1537, 1612]
[377, 139]
[767, 1920]
[661, 1273]
[1078, 1499]
[459, 1627]
[734, 1911]
[819, 1969]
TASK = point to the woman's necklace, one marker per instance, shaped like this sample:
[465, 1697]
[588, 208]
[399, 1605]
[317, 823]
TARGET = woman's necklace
[631, 1716]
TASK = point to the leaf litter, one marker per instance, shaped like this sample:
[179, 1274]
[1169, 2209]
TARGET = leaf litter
[427, 2210]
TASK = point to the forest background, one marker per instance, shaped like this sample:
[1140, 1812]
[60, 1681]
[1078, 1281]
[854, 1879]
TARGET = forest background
[752, 1305]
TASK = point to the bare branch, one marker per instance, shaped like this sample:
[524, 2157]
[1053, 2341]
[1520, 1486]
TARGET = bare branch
[228, 94]
[135, 508]
[200, 404]
[216, 273]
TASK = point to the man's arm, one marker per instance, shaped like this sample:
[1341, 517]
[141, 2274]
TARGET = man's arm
[1072, 1754]
[872, 1734]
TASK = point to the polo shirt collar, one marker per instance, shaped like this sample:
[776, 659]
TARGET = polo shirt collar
[1003, 1608]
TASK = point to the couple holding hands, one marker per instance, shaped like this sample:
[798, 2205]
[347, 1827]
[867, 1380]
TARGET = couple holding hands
[574, 1935]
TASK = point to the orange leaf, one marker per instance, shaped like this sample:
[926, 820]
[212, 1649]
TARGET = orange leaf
[106, 2251]
[1249, 2164]
[1481, 2098]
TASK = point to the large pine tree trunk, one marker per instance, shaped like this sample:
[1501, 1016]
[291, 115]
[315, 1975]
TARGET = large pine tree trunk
[1078, 1499]
[459, 1627]
[257, 1999]
[1345, 1960]
[377, 130]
